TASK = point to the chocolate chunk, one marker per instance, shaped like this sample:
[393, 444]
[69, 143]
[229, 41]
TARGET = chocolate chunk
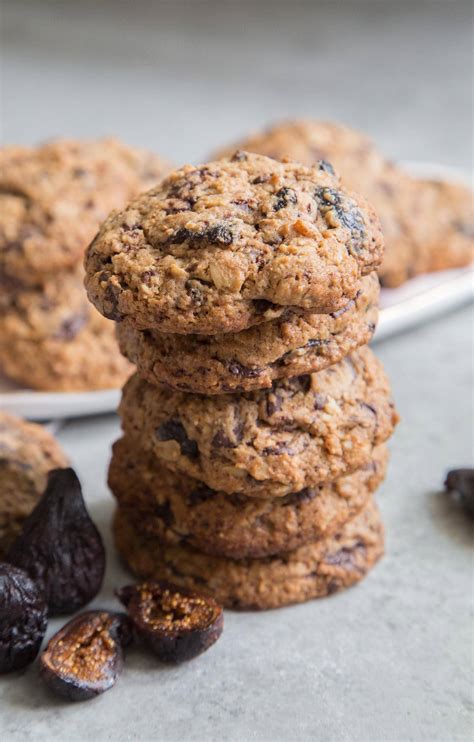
[281, 447]
[238, 428]
[194, 292]
[110, 308]
[273, 403]
[332, 204]
[221, 440]
[164, 513]
[260, 179]
[237, 369]
[299, 384]
[173, 430]
[346, 557]
[305, 495]
[220, 233]
[262, 305]
[181, 236]
[284, 197]
[201, 494]
[316, 343]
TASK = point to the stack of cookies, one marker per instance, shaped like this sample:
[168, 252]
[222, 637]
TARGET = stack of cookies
[52, 201]
[245, 292]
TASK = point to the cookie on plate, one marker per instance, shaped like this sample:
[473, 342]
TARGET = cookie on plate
[291, 345]
[53, 339]
[54, 197]
[438, 224]
[177, 509]
[230, 244]
[312, 571]
[427, 226]
[302, 432]
[27, 453]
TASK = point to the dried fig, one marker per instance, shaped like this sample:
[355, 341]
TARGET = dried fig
[461, 482]
[85, 657]
[176, 624]
[60, 547]
[23, 618]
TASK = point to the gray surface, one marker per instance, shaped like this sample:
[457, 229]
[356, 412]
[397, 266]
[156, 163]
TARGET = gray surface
[389, 660]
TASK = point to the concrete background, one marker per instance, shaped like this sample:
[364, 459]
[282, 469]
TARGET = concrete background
[391, 660]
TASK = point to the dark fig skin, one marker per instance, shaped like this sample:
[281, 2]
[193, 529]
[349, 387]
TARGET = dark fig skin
[461, 481]
[85, 658]
[23, 618]
[175, 623]
[60, 547]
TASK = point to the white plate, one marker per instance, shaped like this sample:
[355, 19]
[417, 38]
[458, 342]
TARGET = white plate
[416, 301]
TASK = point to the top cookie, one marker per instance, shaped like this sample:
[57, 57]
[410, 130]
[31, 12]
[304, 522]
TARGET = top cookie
[53, 198]
[426, 226]
[227, 245]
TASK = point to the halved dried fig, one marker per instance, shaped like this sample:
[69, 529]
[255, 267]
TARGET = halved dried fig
[461, 482]
[176, 624]
[23, 618]
[60, 547]
[85, 657]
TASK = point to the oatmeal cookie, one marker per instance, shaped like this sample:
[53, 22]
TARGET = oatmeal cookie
[300, 433]
[177, 509]
[54, 197]
[291, 345]
[27, 453]
[312, 571]
[53, 339]
[230, 244]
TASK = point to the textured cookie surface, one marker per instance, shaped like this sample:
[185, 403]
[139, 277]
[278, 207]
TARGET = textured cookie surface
[427, 226]
[304, 431]
[221, 247]
[291, 345]
[178, 509]
[27, 453]
[53, 198]
[312, 571]
[53, 339]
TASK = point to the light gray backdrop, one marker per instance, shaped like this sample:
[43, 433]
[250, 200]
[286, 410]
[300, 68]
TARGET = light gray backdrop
[391, 660]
